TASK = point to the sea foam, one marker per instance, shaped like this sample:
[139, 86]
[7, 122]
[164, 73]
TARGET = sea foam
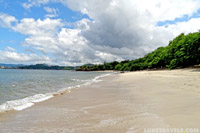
[21, 104]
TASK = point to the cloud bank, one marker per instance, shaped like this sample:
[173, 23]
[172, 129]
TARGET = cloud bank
[116, 30]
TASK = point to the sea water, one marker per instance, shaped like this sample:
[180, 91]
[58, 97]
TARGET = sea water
[20, 89]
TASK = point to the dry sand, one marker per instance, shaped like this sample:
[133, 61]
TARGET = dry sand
[121, 103]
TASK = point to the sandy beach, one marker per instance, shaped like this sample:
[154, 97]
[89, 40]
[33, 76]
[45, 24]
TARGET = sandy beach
[120, 103]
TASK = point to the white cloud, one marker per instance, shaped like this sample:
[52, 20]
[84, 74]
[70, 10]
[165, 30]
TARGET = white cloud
[158, 10]
[193, 25]
[7, 20]
[52, 12]
[117, 30]
[31, 3]
[10, 49]
[132, 24]
[66, 46]
[49, 9]
[29, 26]
[10, 55]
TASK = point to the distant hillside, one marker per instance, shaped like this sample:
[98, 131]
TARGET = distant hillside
[181, 52]
[10, 65]
[47, 67]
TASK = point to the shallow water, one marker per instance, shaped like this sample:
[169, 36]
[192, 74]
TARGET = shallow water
[20, 89]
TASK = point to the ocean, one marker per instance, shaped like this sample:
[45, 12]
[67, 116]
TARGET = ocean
[20, 89]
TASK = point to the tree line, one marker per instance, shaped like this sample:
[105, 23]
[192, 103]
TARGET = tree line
[182, 51]
[46, 67]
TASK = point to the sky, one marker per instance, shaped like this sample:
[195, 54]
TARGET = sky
[77, 32]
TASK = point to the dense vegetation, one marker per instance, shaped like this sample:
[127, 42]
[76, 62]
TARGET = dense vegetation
[47, 67]
[181, 52]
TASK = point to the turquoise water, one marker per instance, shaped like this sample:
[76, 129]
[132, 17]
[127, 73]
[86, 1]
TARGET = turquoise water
[20, 89]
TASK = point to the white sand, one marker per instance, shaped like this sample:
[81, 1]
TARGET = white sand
[121, 103]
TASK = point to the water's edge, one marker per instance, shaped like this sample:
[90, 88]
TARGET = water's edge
[21, 104]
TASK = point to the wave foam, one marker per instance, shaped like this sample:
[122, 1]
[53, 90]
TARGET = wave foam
[21, 104]
[24, 103]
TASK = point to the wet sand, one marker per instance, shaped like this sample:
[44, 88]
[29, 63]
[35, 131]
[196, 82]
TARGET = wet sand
[121, 103]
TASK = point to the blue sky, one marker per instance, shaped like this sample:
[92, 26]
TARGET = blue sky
[184, 18]
[74, 32]
[14, 39]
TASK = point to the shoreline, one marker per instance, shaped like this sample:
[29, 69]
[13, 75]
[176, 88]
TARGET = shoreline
[125, 102]
[27, 102]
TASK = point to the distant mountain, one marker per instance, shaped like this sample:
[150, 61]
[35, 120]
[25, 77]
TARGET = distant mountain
[10, 65]
[47, 67]
[37, 66]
